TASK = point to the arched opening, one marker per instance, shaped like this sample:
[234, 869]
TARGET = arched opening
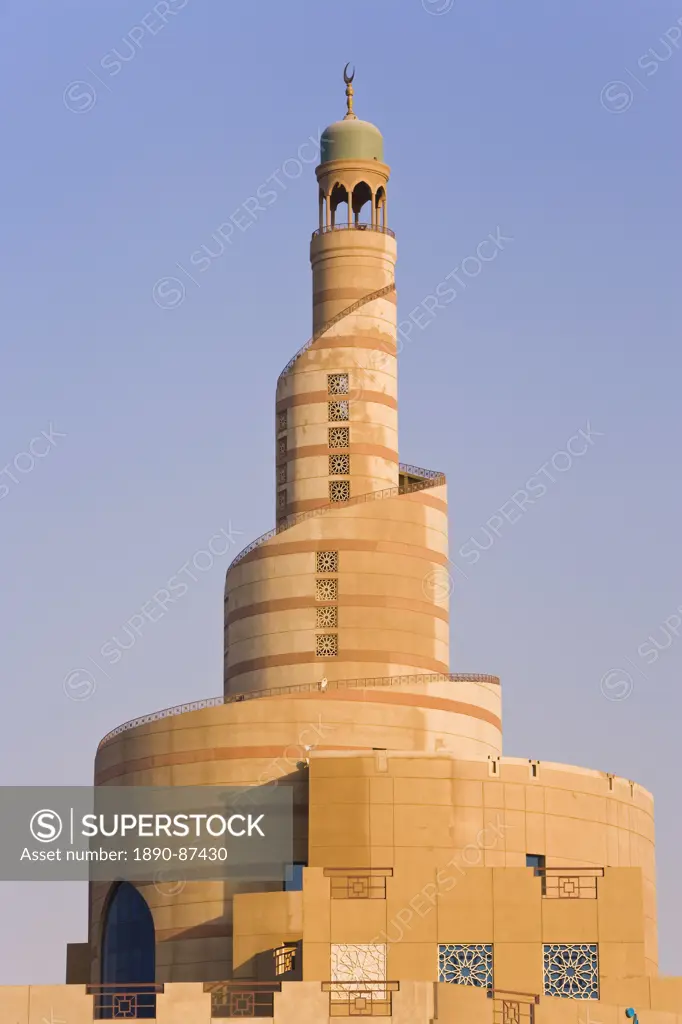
[128, 954]
[339, 198]
[362, 194]
[380, 208]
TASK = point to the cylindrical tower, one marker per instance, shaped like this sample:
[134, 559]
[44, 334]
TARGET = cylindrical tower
[337, 408]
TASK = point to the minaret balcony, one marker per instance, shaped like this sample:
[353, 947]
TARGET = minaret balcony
[344, 226]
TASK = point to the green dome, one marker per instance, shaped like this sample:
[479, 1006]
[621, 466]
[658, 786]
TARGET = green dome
[351, 139]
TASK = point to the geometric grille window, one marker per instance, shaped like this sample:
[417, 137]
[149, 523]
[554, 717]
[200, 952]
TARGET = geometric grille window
[326, 561]
[339, 490]
[571, 971]
[281, 500]
[281, 422]
[327, 617]
[466, 965]
[339, 465]
[339, 437]
[326, 590]
[338, 411]
[337, 383]
[282, 446]
[281, 474]
[326, 645]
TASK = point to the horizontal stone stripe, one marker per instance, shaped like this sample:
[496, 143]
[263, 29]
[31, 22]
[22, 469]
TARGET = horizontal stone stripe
[417, 661]
[142, 764]
[283, 604]
[368, 696]
[412, 700]
[307, 451]
[386, 345]
[352, 295]
[317, 397]
[295, 508]
[382, 547]
[210, 930]
[428, 499]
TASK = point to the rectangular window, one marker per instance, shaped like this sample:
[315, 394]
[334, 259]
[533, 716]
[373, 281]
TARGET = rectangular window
[537, 862]
[293, 879]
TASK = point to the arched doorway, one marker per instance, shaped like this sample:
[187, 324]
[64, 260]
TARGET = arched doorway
[128, 954]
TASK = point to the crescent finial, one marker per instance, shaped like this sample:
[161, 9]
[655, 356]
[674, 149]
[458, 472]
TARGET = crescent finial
[346, 77]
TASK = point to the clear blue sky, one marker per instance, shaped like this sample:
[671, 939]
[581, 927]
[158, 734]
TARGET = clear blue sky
[496, 116]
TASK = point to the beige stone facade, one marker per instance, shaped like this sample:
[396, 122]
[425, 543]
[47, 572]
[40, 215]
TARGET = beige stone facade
[440, 881]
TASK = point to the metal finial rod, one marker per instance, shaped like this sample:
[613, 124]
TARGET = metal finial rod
[348, 79]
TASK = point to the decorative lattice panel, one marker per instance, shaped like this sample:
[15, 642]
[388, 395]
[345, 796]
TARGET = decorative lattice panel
[327, 618]
[339, 437]
[358, 962]
[326, 561]
[282, 500]
[337, 383]
[282, 421]
[571, 971]
[338, 411]
[326, 590]
[466, 964]
[339, 465]
[326, 645]
[339, 490]
[281, 474]
[281, 445]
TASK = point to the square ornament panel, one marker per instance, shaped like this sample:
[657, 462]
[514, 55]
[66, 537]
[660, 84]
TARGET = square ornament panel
[326, 561]
[571, 971]
[339, 490]
[338, 411]
[339, 465]
[326, 645]
[337, 383]
[327, 617]
[363, 962]
[339, 437]
[327, 590]
[466, 964]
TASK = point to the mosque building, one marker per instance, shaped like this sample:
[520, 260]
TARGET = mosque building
[433, 878]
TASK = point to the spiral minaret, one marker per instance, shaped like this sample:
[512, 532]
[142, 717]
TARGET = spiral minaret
[353, 582]
[337, 620]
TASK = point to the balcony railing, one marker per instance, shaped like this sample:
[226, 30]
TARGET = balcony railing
[513, 1007]
[358, 883]
[417, 471]
[280, 691]
[345, 226]
[242, 998]
[131, 1001]
[570, 883]
[360, 998]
